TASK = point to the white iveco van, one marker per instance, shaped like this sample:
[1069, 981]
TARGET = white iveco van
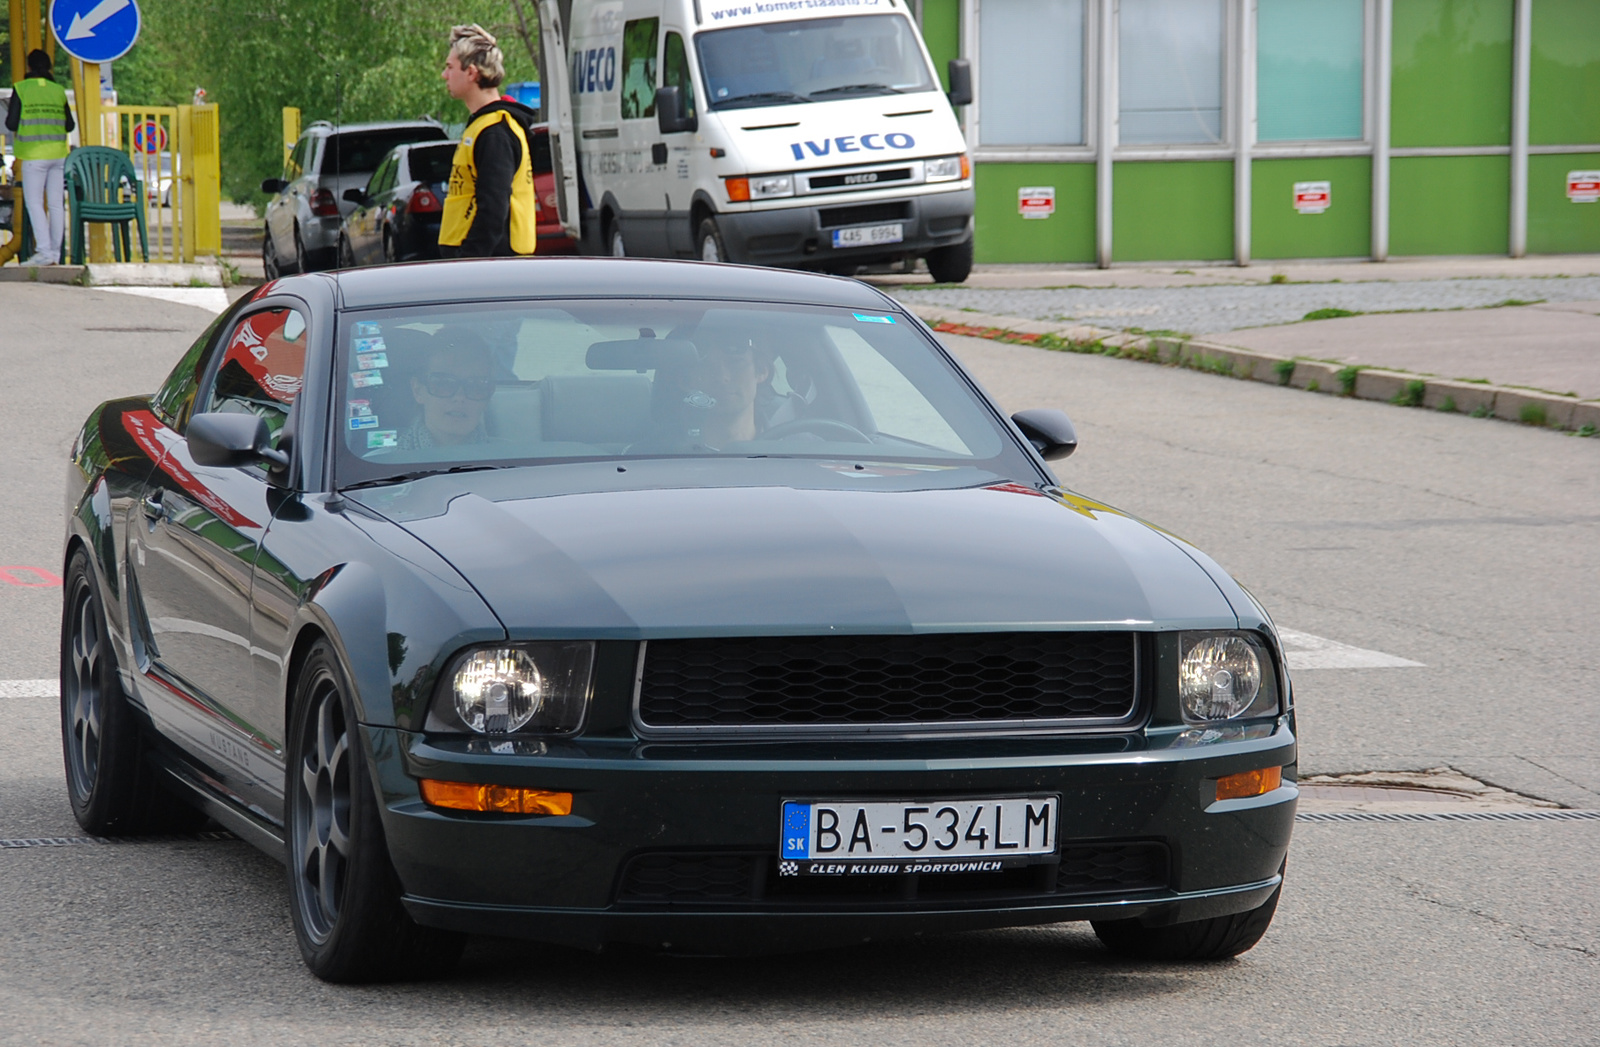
[803, 133]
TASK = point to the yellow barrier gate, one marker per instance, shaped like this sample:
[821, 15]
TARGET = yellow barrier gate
[175, 152]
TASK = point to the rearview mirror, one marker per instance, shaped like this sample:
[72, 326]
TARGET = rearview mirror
[273, 185]
[960, 76]
[1049, 431]
[232, 440]
[642, 354]
[672, 112]
[356, 195]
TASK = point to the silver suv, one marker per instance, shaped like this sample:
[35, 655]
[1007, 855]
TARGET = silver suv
[302, 226]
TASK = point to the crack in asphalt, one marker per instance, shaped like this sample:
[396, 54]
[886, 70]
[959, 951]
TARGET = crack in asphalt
[1419, 892]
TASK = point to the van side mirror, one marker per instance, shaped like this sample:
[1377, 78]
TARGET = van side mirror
[672, 112]
[1049, 431]
[273, 185]
[232, 440]
[960, 76]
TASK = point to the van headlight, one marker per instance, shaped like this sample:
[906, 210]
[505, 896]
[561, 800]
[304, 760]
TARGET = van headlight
[512, 688]
[766, 187]
[946, 168]
[1225, 675]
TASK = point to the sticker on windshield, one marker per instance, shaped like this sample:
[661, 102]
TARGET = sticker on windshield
[364, 421]
[383, 438]
[365, 329]
[368, 361]
[359, 408]
[362, 379]
[369, 345]
[866, 319]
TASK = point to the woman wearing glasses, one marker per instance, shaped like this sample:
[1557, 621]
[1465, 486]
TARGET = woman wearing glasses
[453, 391]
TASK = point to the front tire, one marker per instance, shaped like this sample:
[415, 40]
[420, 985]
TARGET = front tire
[114, 789]
[1218, 938]
[950, 265]
[345, 896]
[708, 242]
[271, 268]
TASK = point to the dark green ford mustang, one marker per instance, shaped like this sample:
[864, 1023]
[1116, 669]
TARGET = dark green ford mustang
[699, 607]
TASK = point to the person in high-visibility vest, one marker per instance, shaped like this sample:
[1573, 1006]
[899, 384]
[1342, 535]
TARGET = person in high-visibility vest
[490, 208]
[39, 120]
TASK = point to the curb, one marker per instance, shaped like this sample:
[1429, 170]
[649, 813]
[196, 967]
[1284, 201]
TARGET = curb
[119, 274]
[1401, 388]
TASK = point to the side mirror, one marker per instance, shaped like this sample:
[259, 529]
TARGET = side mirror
[960, 76]
[1049, 431]
[273, 185]
[232, 440]
[672, 112]
[357, 196]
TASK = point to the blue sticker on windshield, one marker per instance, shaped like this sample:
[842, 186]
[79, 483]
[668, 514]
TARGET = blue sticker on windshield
[364, 421]
[366, 329]
[864, 318]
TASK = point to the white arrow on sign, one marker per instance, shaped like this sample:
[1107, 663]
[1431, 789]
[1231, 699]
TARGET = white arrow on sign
[85, 24]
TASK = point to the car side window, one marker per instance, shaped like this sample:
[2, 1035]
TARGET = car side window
[173, 403]
[263, 367]
[675, 70]
[639, 39]
[383, 178]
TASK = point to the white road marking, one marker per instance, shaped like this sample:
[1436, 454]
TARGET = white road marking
[1305, 651]
[29, 688]
[211, 299]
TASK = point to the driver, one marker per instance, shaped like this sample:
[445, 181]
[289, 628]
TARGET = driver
[452, 392]
[719, 392]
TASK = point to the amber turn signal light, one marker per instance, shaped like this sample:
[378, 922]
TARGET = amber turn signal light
[1249, 783]
[501, 799]
[738, 189]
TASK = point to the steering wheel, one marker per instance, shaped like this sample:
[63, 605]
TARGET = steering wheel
[819, 426]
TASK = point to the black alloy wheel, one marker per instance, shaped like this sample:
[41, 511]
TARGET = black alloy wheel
[346, 909]
[708, 245]
[113, 788]
[950, 265]
[1218, 938]
[302, 258]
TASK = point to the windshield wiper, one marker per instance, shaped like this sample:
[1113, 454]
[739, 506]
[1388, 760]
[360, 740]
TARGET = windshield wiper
[852, 89]
[759, 98]
[417, 474]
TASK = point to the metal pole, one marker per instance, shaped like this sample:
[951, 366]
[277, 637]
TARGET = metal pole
[1380, 131]
[1244, 132]
[1520, 64]
[19, 40]
[1107, 132]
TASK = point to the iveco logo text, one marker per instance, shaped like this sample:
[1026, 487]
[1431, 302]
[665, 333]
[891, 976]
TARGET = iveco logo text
[852, 144]
[861, 179]
[594, 70]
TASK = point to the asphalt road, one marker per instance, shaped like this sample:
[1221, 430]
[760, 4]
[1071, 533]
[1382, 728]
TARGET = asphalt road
[1467, 545]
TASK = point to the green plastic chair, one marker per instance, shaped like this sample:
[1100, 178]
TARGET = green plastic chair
[98, 178]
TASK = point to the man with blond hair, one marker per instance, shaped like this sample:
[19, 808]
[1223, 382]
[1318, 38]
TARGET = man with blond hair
[490, 210]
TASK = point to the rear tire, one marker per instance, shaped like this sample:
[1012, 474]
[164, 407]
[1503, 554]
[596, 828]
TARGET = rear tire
[344, 893]
[271, 267]
[302, 258]
[114, 789]
[950, 265]
[619, 249]
[347, 257]
[708, 244]
[1218, 938]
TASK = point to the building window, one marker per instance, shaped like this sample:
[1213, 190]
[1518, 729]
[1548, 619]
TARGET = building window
[1030, 72]
[1309, 69]
[1169, 82]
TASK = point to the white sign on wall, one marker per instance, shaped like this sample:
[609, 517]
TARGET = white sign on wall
[1312, 197]
[1036, 201]
[1583, 187]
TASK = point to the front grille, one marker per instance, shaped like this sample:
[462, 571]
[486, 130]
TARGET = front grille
[1097, 868]
[862, 682]
[689, 879]
[864, 214]
[861, 179]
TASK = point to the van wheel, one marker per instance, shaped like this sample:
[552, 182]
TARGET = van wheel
[618, 248]
[950, 265]
[708, 242]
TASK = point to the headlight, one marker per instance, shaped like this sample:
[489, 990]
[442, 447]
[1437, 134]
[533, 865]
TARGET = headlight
[510, 688]
[945, 168]
[1224, 675]
[766, 187]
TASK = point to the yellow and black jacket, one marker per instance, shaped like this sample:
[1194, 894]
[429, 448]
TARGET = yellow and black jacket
[490, 209]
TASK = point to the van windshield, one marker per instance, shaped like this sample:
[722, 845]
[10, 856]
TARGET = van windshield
[816, 60]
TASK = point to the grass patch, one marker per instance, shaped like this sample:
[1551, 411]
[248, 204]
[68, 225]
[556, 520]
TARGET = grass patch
[1533, 414]
[1587, 430]
[1481, 411]
[1411, 395]
[1449, 405]
[1315, 385]
[1284, 369]
[1347, 379]
[1328, 314]
[1514, 302]
[1278, 278]
[1183, 272]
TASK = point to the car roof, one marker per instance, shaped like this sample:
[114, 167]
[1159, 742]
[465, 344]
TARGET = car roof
[380, 125]
[514, 279]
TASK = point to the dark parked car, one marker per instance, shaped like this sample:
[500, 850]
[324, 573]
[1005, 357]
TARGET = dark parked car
[704, 608]
[301, 231]
[396, 216]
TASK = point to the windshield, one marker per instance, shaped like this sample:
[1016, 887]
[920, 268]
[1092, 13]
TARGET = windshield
[431, 164]
[428, 389]
[780, 63]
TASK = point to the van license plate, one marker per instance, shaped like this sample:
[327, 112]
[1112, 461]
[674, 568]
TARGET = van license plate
[851, 837]
[868, 235]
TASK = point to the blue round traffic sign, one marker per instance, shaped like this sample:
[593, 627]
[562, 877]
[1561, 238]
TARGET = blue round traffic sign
[149, 137]
[95, 30]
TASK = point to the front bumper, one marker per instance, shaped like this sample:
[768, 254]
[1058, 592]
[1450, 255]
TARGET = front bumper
[568, 879]
[800, 236]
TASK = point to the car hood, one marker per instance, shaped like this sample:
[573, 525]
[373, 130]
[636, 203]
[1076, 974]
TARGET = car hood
[638, 564]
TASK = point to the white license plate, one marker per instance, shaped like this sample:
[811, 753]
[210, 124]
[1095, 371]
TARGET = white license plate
[867, 235]
[917, 836]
